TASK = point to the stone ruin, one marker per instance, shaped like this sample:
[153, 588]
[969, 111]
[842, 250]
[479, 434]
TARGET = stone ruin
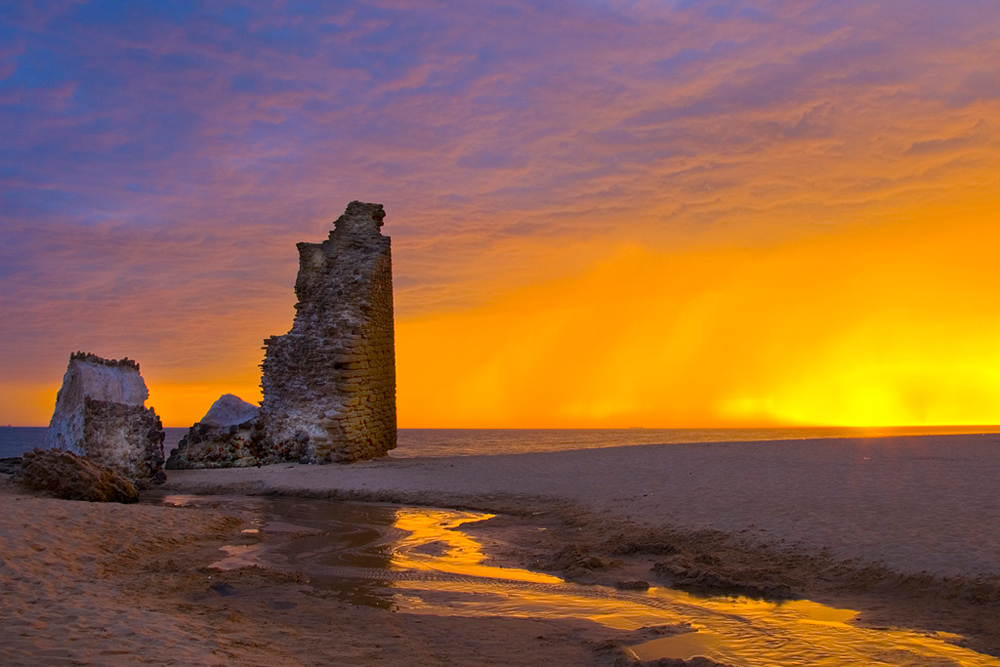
[101, 414]
[230, 435]
[329, 384]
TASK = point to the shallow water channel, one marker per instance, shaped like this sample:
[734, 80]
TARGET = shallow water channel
[419, 560]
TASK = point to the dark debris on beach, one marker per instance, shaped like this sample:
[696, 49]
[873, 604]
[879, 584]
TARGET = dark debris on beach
[11, 465]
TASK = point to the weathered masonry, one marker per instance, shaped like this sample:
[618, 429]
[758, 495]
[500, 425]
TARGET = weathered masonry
[330, 383]
[101, 414]
[230, 435]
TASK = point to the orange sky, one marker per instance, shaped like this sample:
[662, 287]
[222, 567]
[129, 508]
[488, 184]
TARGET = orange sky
[895, 325]
[604, 214]
[892, 324]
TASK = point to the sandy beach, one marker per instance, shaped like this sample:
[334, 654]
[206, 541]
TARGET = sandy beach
[904, 530]
[915, 504]
[105, 584]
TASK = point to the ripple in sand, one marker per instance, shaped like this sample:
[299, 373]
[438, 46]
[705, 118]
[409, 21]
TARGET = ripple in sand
[418, 560]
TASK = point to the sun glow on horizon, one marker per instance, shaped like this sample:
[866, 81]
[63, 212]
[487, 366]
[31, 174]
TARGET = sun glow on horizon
[891, 326]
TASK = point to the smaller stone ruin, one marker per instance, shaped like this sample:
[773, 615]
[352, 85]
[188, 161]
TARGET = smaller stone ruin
[101, 414]
[230, 435]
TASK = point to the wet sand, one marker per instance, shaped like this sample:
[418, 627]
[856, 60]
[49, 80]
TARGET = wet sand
[916, 504]
[903, 529]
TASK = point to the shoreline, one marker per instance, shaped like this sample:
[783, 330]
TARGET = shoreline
[449, 442]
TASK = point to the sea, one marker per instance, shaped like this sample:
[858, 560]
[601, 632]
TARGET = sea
[420, 442]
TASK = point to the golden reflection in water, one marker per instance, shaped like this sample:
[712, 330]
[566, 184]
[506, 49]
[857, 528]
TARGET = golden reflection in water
[738, 631]
[748, 632]
[434, 544]
[876, 325]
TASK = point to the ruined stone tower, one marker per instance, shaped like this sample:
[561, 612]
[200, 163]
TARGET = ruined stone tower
[330, 383]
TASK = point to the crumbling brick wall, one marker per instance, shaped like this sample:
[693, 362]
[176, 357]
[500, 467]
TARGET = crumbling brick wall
[125, 438]
[329, 384]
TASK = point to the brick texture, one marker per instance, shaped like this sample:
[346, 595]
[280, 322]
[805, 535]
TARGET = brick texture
[329, 384]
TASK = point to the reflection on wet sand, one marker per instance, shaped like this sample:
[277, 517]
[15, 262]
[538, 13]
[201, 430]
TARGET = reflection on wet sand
[418, 560]
[433, 544]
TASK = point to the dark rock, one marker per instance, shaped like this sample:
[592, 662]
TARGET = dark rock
[65, 475]
[575, 557]
[225, 590]
[626, 547]
[581, 576]
[649, 632]
[697, 661]
[628, 660]
[682, 575]
[217, 442]
[632, 585]
[11, 466]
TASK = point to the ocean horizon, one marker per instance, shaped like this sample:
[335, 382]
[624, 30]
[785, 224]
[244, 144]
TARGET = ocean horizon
[436, 442]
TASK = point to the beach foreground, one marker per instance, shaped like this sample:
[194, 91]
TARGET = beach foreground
[901, 529]
[105, 584]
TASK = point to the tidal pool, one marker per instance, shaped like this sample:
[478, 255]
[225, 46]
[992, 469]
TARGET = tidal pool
[419, 560]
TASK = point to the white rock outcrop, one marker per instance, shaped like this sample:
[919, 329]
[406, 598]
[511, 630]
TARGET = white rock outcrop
[230, 410]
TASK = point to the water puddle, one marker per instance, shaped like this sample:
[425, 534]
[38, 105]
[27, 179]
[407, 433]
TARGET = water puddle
[419, 560]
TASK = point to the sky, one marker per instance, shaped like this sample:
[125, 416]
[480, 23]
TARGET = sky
[604, 213]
